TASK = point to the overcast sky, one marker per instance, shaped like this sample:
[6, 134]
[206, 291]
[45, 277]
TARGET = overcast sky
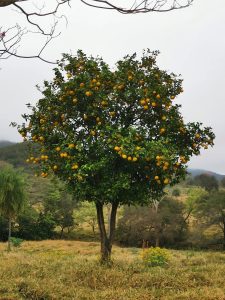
[191, 42]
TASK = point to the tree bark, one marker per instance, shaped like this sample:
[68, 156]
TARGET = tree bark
[7, 2]
[106, 240]
[224, 236]
[9, 235]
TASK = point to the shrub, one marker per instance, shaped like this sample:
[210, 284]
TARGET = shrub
[155, 256]
[16, 242]
[176, 193]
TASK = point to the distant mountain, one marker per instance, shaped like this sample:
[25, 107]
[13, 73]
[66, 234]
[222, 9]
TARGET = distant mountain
[196, 172]
[6, 143]
[17, 153]
[14, 153]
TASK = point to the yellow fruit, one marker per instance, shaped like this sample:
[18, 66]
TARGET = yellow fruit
[55, 168]
[98, 83]
[166, 181]
[135, 159]
[158, 181]
[156, 177]
[104, 103]
[69, 75]
[124, 156]
[97, 119]
[162, 130]
[57, 148]
[27, 160]
[75, 100]
[42, 121]
[41, 138]
[165, 168]
[146, 107]
[138, 148]
[117, 148]
[197, 135]
[93, 133]
[154, 104]
[172, 97]
[71, 146]
[71, 93]
[85, 117]
[112, 113]
[88, 93]
[163, 118]
[142, 102]
[81, 84]
[158, 96]
[44, 174]
[94, 80]
[74, 166]
[130, 77]
[129, 158]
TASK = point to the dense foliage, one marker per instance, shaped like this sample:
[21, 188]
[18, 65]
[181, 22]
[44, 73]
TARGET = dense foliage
[113, 135]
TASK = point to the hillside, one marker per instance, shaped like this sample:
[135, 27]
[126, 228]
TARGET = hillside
[15, 154]
[5, 144]
[196, 172]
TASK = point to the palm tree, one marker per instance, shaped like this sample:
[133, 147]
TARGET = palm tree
[12, 196]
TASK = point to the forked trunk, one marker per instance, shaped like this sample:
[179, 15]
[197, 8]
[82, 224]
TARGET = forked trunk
[106, 240]
[224, 236]
[9, 235]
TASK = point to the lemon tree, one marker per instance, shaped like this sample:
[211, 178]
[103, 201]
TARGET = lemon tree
[114, 135]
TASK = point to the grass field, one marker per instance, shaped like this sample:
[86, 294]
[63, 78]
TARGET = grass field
[70, 270]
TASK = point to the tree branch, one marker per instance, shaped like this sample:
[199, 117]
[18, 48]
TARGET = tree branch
[140, 6]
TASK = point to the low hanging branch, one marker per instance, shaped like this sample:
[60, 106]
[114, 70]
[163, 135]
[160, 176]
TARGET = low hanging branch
[10, 38]
[139, 6]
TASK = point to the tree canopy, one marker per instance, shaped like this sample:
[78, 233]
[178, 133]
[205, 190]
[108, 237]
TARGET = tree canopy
[12, 195]
[114, 135]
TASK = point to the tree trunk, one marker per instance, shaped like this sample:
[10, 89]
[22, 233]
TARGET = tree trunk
[106, 240]
[9, 235]
[224, 236]
[61, 233]
[157, 240]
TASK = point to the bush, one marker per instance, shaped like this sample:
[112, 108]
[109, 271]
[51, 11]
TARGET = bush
[155, 256]
[176, 193]
[16, 242]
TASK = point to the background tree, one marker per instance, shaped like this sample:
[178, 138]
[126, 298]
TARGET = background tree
[114, 136]
[86, 213]
[161, 227]
[41, 18]
[208, 182]
[211, 208]
[222, 182]
[12, 196]
[60, 205]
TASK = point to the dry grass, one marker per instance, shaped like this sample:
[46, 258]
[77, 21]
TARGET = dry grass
[70, 270]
